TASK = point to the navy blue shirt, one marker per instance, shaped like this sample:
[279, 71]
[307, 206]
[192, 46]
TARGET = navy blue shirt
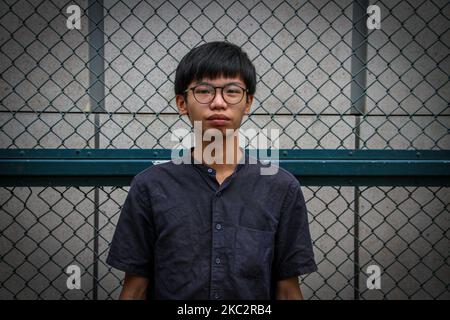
[196, 239]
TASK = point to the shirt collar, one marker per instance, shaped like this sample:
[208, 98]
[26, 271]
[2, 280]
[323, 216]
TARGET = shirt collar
[244, 161]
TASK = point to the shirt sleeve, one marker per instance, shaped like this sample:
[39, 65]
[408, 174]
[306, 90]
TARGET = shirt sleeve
[294, 255]
[132, 245]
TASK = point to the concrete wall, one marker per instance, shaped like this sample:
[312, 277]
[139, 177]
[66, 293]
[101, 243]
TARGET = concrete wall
[303, 61]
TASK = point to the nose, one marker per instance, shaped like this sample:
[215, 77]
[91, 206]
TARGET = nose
[218, 101]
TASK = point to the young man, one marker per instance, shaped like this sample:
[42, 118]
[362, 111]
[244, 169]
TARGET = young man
[215, 228]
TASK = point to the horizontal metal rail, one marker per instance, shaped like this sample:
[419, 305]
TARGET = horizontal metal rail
[105, 167]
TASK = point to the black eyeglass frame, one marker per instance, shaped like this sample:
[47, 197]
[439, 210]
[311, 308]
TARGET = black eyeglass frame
[215, 92]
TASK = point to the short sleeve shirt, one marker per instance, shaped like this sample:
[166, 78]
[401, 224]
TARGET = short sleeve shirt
[197, 239]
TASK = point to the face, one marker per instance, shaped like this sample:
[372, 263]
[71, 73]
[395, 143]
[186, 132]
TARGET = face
[218, 107]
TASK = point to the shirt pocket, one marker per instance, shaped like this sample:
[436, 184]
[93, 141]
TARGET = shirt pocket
[253, 253]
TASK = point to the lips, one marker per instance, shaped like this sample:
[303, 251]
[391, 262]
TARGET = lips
[218, 117]
[218, 120]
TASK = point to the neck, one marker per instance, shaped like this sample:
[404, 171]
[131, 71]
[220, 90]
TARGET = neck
[222, 156]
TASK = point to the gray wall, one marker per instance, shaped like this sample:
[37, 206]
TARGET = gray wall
[303, 61]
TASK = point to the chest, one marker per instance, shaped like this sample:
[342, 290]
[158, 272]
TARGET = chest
[220, 177]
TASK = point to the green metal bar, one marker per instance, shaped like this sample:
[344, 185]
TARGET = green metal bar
[312, 167]
[319, 167]
[165, 154]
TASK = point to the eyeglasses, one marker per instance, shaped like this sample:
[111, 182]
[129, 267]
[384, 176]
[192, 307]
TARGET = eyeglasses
[205, 93]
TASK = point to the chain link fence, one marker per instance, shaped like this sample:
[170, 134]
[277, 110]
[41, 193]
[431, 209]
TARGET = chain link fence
[324, 80]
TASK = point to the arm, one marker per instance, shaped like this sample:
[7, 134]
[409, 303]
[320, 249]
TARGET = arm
[289, 289]
[134, 288]
[294, 254]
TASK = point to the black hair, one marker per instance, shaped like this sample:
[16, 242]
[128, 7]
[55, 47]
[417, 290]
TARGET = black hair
[212, 60]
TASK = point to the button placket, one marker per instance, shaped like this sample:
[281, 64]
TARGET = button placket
[217, 272]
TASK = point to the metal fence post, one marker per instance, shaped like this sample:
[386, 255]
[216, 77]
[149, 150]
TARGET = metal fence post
[97, 103]
[358, 88]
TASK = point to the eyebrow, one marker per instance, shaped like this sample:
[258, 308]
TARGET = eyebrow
[226, 84]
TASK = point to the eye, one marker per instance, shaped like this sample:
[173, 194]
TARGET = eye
[233, 90]
[203, 90]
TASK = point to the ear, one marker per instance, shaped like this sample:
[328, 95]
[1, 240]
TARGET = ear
[248, 104]
[181, 104]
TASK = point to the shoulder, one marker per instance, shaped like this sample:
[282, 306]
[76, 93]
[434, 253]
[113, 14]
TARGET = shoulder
[272, 173]
[156, 169]
[158, 173]
[272, 180]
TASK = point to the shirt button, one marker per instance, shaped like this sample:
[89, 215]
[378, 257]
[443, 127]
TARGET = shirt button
[218, 194]
[216, 296]
[210, 170]
[217, 260]
[218, 226]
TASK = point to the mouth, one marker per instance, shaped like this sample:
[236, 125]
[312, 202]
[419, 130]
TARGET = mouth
[218, 120]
